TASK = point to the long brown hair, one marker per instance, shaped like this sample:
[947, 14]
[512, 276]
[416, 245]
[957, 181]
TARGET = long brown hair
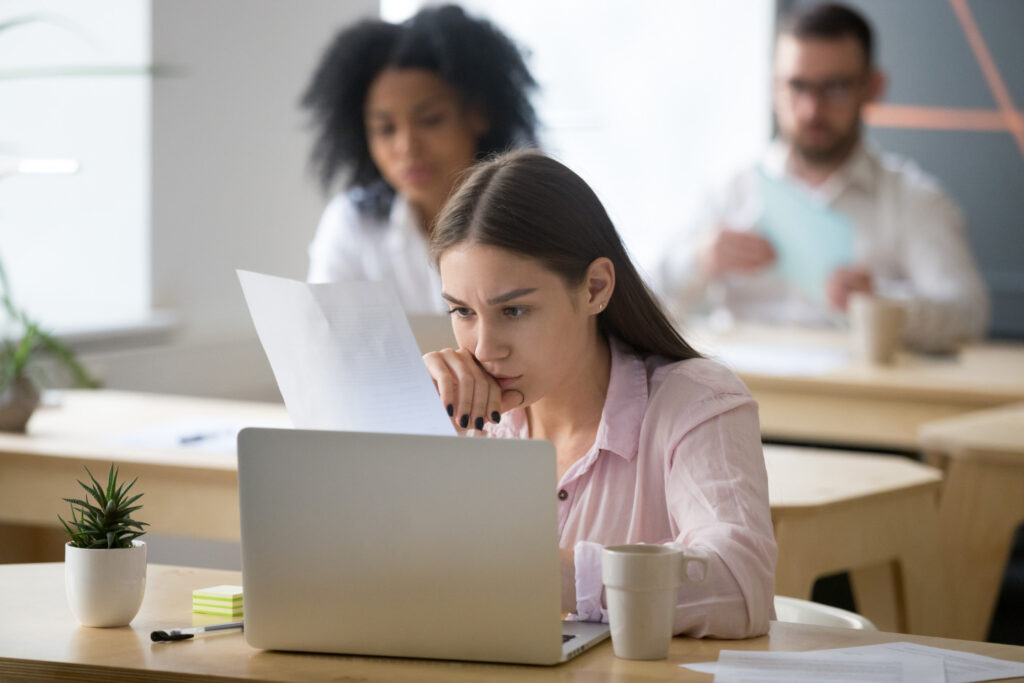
[532, 205]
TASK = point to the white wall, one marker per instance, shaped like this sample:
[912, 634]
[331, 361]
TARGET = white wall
[230, 182]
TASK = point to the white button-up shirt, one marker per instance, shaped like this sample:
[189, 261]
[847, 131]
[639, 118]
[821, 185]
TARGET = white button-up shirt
[907, 233]
[350, 245]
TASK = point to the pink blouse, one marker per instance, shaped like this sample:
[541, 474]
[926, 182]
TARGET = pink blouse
[677, 460]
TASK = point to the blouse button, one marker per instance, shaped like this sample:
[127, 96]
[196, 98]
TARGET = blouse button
[563, 494]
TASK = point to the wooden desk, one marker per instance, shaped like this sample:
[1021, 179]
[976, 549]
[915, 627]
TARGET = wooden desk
[872, 515]
[857, 404]
[187, 492]
[195, 494]
[982, 505]
[39, 638]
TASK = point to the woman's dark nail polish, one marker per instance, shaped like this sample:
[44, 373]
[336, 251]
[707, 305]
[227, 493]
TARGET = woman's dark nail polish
[479, 423]
[464, 421]
[451, 410]
[495, 417]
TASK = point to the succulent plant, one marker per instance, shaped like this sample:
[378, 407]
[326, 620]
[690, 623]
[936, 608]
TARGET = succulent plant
[106, 521]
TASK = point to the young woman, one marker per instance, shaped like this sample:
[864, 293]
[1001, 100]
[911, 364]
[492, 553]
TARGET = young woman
[401, 110]
[559, 339]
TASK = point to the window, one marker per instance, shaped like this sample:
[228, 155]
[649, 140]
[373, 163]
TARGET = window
[648, 101]
[74, 84]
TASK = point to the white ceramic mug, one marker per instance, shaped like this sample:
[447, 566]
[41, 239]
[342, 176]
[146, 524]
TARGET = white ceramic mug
[640, 588]
[876, 324]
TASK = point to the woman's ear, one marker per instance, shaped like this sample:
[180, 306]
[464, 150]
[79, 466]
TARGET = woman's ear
[600, 283]
[479, 123]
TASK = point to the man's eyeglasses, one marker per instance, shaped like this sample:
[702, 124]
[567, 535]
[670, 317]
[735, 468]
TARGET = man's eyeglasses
[831, 91]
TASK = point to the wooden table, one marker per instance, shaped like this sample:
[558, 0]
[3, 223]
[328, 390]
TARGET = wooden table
[188, 492]
[875, 516]
[39, 638]
[857, 404]
[982, 505]
[832, 511]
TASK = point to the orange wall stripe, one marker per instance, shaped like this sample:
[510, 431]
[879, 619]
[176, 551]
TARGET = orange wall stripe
[1014, 122]
[934, 118]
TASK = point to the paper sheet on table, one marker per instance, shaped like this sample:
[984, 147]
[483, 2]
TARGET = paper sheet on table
[344, 356]
[961, 667]
[810, 239]
[198, 433]
[740, 666]
[781, 360]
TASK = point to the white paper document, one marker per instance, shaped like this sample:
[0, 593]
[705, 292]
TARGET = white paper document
[951, 666]
[777, 359]
[344, 356]
[961, 667]
[198, 433]
[738, 666]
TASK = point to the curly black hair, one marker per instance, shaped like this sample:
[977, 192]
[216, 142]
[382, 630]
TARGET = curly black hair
[472, 55]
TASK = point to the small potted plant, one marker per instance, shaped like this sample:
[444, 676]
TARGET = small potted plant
[104, 563]
[19, 394]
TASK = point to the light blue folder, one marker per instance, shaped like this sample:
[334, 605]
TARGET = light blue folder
[810, 239]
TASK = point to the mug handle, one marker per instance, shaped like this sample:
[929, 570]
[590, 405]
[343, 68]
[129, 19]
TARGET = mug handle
[684, 569]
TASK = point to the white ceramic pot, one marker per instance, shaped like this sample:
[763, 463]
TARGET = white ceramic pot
[105, 587]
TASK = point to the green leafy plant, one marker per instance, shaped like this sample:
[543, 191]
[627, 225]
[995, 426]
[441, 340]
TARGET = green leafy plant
[105, 522]
[17, 354]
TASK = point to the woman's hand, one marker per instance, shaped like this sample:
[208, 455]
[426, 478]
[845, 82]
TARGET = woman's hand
[470, 394]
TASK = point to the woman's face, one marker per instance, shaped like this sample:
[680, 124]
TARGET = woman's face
[520, 321]
[420, 134]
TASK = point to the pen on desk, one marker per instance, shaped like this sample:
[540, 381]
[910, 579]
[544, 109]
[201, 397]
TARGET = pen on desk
[186, 633]
[194, 438]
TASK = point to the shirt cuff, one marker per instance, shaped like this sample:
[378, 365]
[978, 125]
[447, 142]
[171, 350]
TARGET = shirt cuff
[587, 561]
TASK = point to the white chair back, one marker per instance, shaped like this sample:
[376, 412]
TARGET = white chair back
[806, 612]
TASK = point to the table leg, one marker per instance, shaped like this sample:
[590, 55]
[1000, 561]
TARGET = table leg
[876, 590]
[982, 505]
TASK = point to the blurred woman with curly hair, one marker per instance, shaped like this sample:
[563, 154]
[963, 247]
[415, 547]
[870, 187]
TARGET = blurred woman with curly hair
[400, 111]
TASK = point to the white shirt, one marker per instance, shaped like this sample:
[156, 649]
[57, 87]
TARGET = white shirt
[907, 233]
[349, 245]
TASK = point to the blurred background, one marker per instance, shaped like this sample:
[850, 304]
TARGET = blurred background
[183, 118]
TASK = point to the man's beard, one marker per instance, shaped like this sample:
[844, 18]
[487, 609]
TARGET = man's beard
[828, 155]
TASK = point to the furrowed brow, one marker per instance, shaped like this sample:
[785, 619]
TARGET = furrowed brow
[509, 296]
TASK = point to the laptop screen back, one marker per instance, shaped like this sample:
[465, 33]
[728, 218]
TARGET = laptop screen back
[398, 545]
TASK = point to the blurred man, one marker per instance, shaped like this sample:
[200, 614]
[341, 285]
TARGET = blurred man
[908, 236]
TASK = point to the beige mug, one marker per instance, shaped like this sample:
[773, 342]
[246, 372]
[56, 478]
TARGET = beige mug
[640, 588]
[876, 324]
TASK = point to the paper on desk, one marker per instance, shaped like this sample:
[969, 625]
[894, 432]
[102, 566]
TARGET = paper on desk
[736, 666]
[198, 433]
[344, 356]
[961, 667]
[778, 359]
[810, 239]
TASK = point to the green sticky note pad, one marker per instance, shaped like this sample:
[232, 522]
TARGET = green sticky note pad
[227, 595]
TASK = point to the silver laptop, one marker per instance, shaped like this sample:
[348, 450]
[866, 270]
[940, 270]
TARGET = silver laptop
[403, 546]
